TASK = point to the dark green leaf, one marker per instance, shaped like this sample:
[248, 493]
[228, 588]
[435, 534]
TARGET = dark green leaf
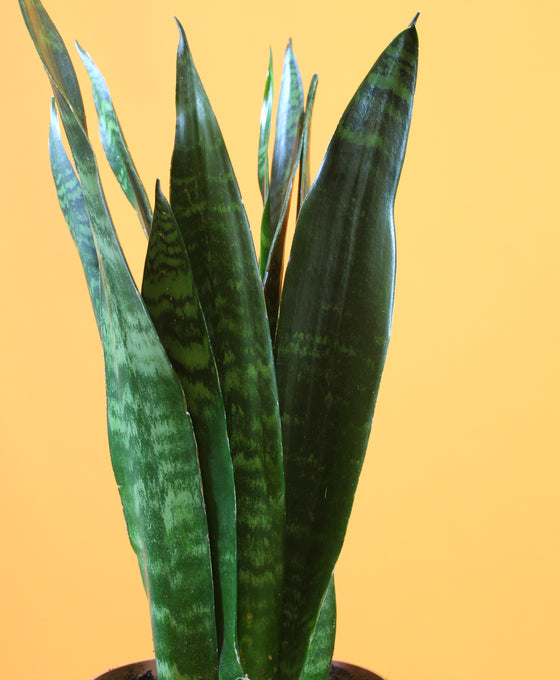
[169, 293]
[334, 329]
[264, 136]
[114, 144]
[319, 655]
[206, 202]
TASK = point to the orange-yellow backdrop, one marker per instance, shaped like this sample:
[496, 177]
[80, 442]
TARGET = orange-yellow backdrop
[451, 568]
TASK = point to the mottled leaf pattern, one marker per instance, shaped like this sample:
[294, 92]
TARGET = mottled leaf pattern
[150, 434]
[206, 202]
[170, 295]
[114, 144]
[73, 205]
[334, 329]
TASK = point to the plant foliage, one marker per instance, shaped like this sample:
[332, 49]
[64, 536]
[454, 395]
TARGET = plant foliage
[240, 395]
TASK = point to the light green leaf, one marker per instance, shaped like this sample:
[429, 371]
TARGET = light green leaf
[170, 295]
[114, 144]
[150, 434]
[73, 205]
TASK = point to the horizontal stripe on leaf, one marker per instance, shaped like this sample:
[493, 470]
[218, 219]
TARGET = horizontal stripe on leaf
[334, 328]
[207, 205]
[170, 295]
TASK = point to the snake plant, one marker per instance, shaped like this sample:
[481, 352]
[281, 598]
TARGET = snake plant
[240, 394]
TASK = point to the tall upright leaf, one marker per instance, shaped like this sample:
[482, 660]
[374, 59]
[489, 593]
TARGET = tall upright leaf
[206, 202]
[114, 144]
[150, 434]
[334, 329]
[170, 295]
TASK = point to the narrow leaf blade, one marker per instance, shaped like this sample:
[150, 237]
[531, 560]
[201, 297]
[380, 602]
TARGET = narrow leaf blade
[304, 165]
[114, 144]
[264, 135]
[73, 206]
[54, 55]
[319, 655]
[286, 151]
[287, 137]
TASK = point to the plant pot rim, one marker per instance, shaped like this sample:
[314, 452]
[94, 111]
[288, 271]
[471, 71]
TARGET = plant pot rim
[340, 670]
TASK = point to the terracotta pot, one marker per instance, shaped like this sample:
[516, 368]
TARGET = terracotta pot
[141, 671]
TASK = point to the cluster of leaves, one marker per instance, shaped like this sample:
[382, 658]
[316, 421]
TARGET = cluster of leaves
[238, 421]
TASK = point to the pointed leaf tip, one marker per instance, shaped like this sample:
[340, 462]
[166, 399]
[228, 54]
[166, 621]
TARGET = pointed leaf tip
[413, 22]
[183, 36]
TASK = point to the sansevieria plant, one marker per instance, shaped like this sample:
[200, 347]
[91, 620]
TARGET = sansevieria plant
[240, 392]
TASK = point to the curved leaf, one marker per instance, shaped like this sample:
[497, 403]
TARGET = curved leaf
[114, 144]
[150, 434]
[170, 295]
[54, 55]
[206, 202]
[334, 328]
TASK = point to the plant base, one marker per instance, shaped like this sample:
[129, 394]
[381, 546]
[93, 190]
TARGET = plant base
[146, 670]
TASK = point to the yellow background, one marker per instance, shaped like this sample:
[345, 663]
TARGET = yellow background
[451, 568]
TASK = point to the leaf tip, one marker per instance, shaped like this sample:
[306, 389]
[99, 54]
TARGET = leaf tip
[413, 22]
[183, 36]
